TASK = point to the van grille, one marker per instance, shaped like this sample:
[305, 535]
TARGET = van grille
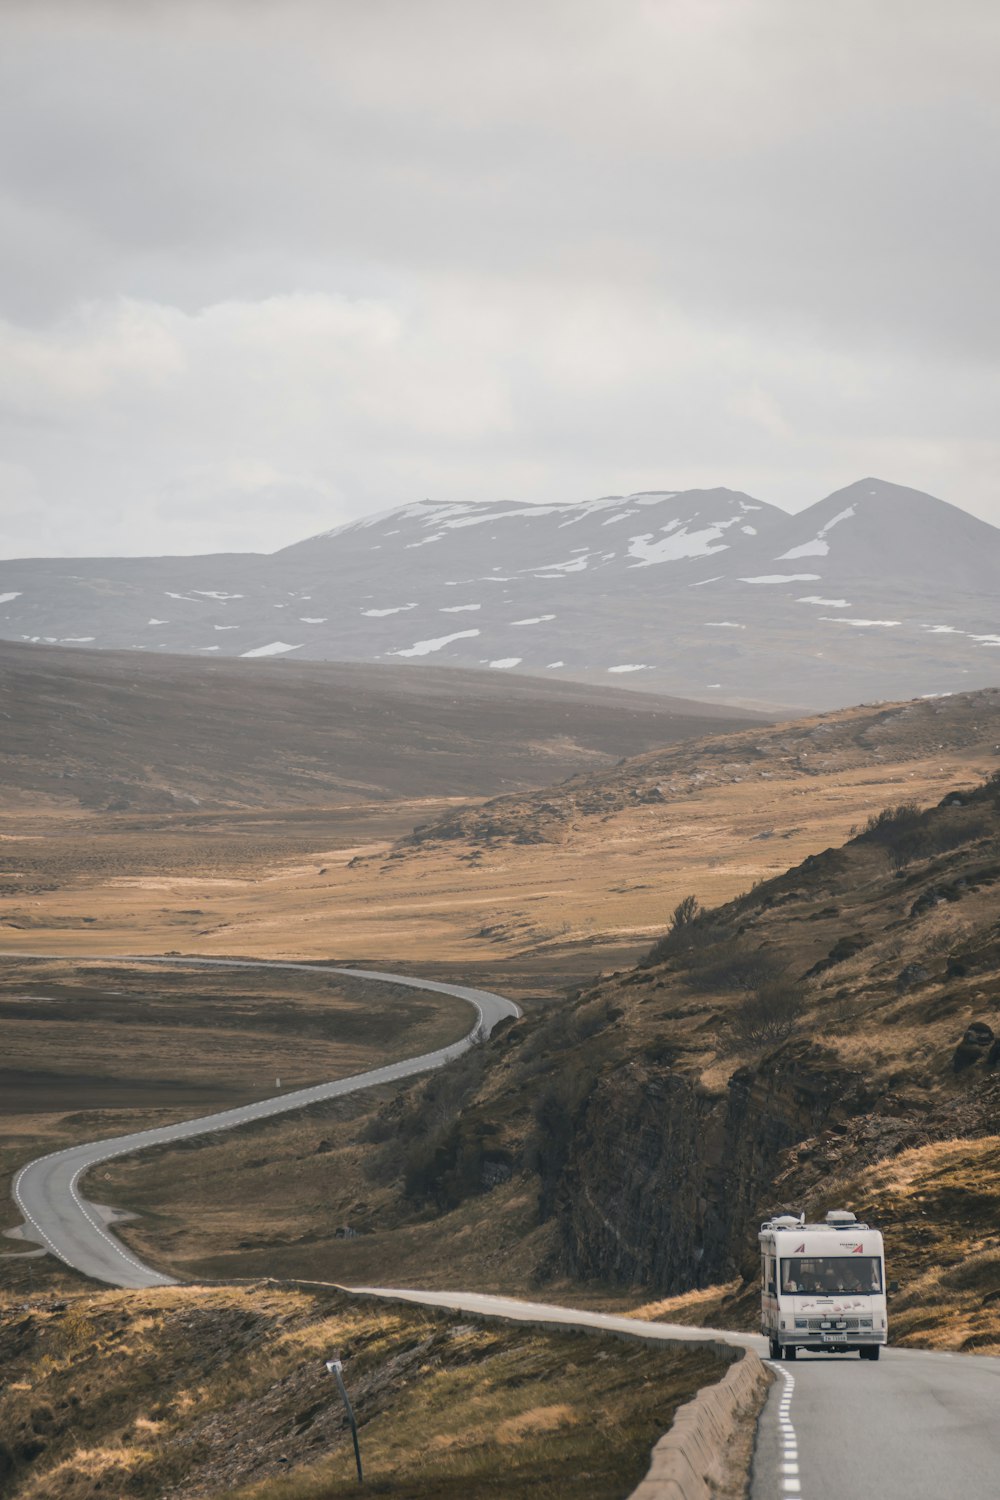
[832, 1325]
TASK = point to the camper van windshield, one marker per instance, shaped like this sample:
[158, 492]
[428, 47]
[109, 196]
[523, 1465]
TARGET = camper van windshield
[825, 1276]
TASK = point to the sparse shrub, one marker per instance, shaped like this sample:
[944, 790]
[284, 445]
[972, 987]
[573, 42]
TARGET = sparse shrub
[732, 965]
[689, 925]
[906, 833]
[767, 1014]
[450, 1166]
[898, 830]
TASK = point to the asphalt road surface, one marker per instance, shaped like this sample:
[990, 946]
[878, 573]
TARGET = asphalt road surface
[47, 1192]
[914, 1426]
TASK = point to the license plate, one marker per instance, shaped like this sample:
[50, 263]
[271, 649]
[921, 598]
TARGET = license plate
[828, 1336]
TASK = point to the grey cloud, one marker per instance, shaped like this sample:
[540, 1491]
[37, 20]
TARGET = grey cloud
[671, 242]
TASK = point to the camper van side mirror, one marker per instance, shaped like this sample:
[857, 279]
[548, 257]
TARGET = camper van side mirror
[893, 1286]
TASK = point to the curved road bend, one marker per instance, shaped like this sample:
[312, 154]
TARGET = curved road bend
[46, 1190]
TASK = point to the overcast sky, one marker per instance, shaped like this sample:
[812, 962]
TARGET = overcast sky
[272, 265]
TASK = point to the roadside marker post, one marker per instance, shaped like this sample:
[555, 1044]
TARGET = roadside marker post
[336, 1369]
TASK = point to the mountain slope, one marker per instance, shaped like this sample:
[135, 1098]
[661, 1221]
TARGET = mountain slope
[116, 730]
[875, 592]
[966, 726]
[832, 1035]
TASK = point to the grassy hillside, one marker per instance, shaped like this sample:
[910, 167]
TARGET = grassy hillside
[198, 1393]
[118, 731]
[837, 745]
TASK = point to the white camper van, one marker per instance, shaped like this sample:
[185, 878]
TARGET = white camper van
[822, 1286]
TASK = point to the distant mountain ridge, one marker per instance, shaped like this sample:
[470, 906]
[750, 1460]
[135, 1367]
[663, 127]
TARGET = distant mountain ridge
[876, 591]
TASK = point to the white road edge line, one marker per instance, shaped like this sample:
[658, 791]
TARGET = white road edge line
[788, 1466]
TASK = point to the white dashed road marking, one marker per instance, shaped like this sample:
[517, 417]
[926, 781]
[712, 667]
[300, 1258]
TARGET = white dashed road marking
[789, 1466]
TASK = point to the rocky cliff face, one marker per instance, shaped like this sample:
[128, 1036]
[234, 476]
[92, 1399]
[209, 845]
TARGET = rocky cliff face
[665, 1175]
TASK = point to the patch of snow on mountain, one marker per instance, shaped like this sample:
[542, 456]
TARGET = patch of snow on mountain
[819, 546]
[157, 622]
[405, 512]
[718, 577]
[533, 620]
[276, 648]
[6, 598]
[216, 594]
[186, 597]
[313, 619]
[436, 537]
[987, 640]
[551, 666]
[457, 609]
[503, 515]
[861, 624]
[424, 648]
[574, 565]
[783, 578]
[379, 614]
[725, 624]
[829, 603]
[944, 630]
[816, 548]
[622, 515]
[76, 640]
[630, 666]
[749, 530]
[588, 508]
[671, 548]
[214, 648]
[225, 627]
[503, 662]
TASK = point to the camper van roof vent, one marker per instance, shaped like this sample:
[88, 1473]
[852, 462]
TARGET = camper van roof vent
[840, 1218]
[781, 1221]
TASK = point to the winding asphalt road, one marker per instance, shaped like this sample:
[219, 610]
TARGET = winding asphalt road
[914, 1426]
[47, 1192]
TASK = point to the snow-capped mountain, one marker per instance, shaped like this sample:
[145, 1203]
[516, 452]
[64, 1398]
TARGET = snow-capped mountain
[875, 592]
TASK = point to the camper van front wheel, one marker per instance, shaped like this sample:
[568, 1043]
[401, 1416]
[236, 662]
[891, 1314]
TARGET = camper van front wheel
[775, 1349]
[790, 1351]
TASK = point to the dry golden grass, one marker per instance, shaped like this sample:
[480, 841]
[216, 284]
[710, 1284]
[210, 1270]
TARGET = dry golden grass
[198, 1392]
[607, 889]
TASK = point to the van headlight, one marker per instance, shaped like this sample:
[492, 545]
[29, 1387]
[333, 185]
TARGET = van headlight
[801, 1323]
[865, 1323]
